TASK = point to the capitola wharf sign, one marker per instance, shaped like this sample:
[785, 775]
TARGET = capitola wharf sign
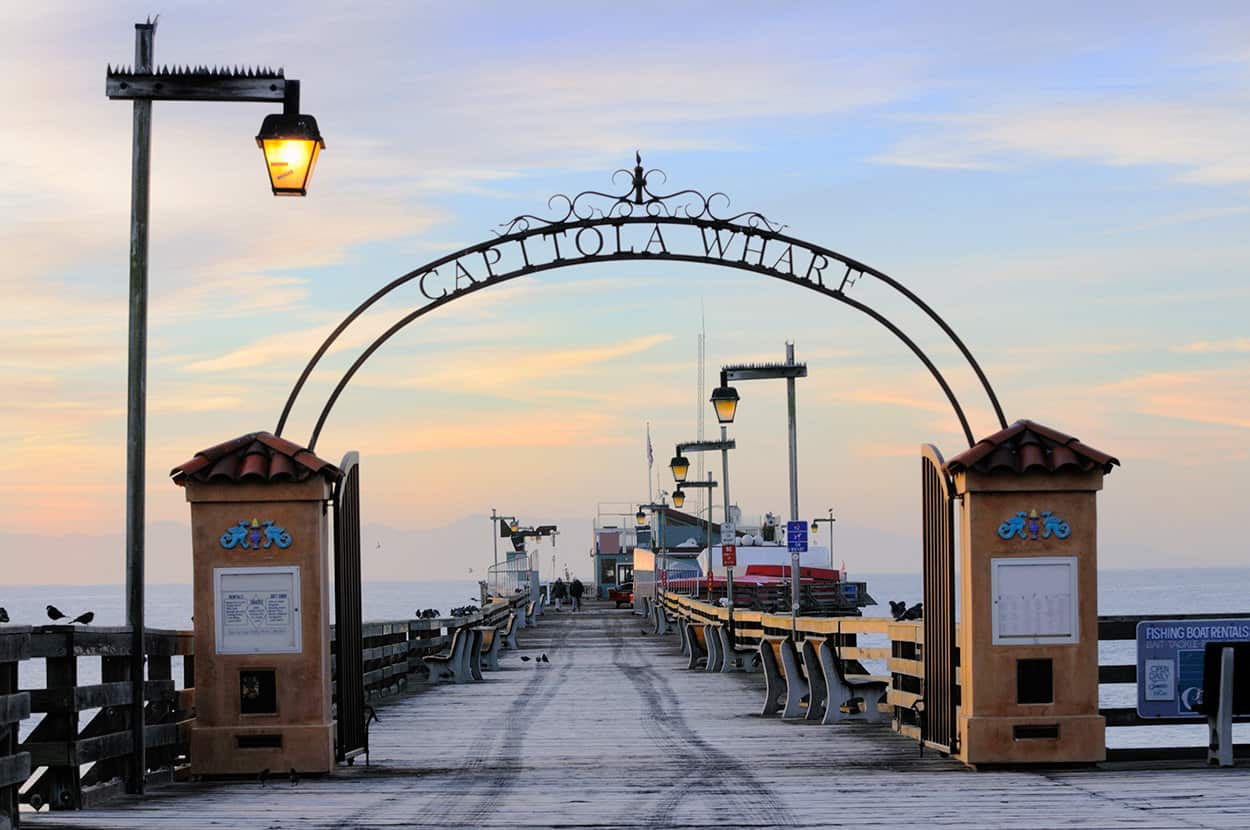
[641, 225]
[673, 238]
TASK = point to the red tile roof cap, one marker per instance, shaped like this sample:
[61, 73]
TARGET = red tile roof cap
[1026, 446]
[257, 456]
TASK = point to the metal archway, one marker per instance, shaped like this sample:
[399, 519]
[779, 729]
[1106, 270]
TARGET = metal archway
[639, 217]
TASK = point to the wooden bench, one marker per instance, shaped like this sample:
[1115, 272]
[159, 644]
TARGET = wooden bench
[509, 631]
[473, 652]
[785, 686]
[663, 625]
[734, 657]
[696, 639]
[530, 612]
[838, 688]
[1225, 695]
[450, 664]
[712, 642]
[492, 641]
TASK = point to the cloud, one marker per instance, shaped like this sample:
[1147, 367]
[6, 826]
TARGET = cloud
[1218, 397]
[1203, 141]
[482, 371]
[1233, 344]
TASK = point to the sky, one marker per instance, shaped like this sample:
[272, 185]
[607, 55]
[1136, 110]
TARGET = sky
[1067, 185]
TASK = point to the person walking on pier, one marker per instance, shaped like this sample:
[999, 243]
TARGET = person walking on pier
[575, 591]
[558, 592]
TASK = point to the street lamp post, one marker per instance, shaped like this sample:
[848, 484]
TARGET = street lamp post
[728, 402]
[699, 485]
[291, 143]
[829, 521]
[790, 371]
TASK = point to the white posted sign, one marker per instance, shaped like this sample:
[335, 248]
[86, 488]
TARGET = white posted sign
[257, 610]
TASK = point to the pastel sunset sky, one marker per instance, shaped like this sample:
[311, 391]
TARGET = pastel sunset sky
[1068, 184]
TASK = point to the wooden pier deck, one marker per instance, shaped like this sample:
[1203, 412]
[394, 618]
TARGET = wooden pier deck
[614, 732]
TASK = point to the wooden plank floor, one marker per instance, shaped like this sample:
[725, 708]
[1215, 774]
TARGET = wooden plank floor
[614, 732]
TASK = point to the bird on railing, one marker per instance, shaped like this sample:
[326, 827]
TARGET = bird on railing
[55, 613]
[84, 618]
[4, 615]
[902, 612]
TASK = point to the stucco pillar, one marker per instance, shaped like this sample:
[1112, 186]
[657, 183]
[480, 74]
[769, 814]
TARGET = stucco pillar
[1029, 598]
[260, 548]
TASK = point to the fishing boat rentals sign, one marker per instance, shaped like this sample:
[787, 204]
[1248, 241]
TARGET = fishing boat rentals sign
[257, 610]
[1170, 662]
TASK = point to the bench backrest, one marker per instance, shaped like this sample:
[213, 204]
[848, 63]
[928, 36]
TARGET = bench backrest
[1211, 667]
[507, 632]
[699, 635]
[488, 637]
[775, 644]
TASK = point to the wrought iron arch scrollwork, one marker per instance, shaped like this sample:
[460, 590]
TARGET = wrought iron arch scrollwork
[641, 208]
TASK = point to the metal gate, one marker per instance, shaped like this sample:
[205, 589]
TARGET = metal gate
[349, 694]
[938, 727]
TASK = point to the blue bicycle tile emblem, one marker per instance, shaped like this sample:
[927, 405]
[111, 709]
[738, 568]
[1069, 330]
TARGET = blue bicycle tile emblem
[1031, 526]
[255, 535]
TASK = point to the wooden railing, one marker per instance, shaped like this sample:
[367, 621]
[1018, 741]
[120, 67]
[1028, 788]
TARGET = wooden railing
[60, 745]
[49, 764]
[905, 656]
[14, 708]
[393, 648]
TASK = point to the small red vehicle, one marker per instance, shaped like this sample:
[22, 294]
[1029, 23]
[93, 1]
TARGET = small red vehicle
[622, 594]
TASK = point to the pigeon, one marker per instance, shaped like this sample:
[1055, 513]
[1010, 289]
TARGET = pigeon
[897, 609]
[294, 777]
[85, 619]
[4, 615]
[915, 612]
[263, 776]
[524, 659]
[544, 659]
[644, 631]
[55, 613]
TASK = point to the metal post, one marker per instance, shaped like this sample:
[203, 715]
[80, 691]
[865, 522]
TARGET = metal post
[136, 401]
[830, 538]
[709, 536]
[494, 533]
[794, 487]
[729, 572]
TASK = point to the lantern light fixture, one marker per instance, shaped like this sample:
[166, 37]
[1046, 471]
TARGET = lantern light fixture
[641, 518]
[291, 143]
[679, 497]
[680, 465]
[725, 402]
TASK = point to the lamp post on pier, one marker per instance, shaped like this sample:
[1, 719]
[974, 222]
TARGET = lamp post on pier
[725, 402]
[680, 493]
[816, 527]
[291, 144]
[790, 371]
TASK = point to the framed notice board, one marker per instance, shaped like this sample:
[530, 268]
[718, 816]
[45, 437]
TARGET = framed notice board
[1035, 600]
[257, 610]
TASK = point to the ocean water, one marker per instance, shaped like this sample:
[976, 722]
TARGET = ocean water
[1154, 591]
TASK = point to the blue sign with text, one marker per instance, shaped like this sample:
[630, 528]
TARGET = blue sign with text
[1169, 662]
[796, 536]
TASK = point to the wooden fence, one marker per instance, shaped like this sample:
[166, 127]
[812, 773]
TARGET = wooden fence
[66, 765]
[905, 656]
